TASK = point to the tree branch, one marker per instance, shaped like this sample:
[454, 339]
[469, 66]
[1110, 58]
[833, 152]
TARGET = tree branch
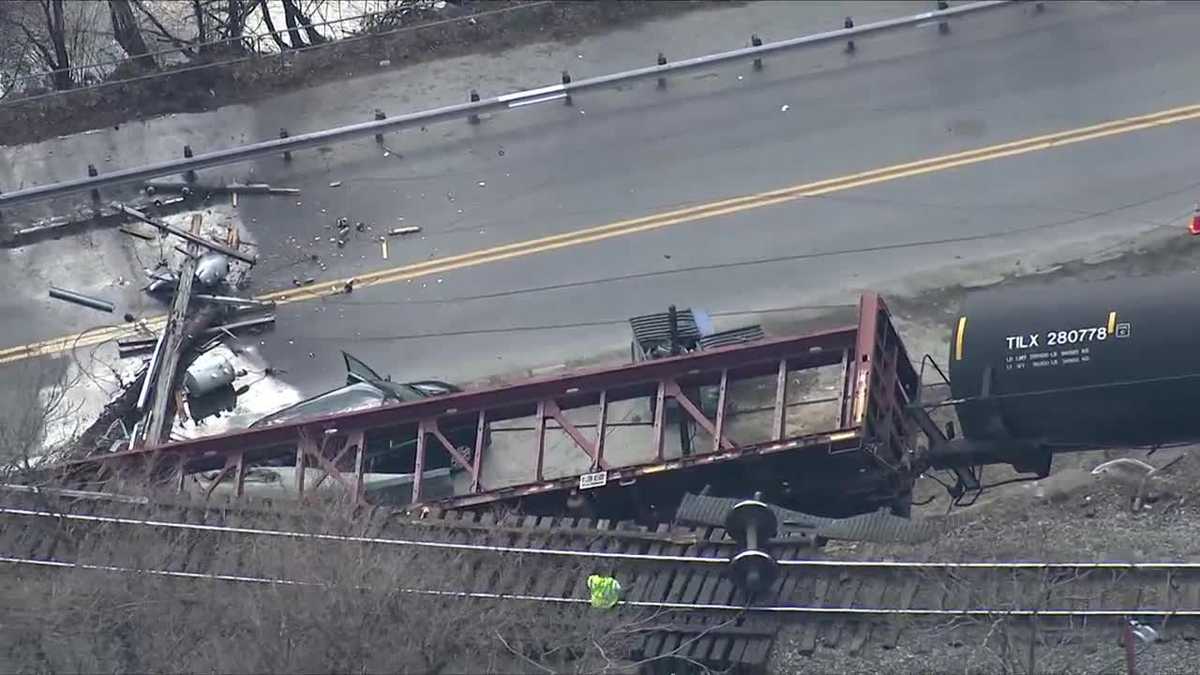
[183, 45]
[528, 660]
[266, 12]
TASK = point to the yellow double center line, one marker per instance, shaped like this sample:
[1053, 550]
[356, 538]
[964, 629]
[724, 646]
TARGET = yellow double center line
[652, 222]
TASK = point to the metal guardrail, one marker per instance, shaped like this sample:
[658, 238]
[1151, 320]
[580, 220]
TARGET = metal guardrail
[474, 108]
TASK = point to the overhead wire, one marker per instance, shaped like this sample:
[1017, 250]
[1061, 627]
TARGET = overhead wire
[990, 612]
[559, 326]
[1079, 217]
[811, 563]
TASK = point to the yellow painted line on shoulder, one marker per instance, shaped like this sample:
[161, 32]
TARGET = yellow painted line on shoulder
[655, 221]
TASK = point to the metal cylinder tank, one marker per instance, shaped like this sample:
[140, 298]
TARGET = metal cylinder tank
[1080, 364]
[210, 371]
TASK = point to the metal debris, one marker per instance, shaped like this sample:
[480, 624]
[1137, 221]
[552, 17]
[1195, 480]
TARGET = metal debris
[230, 300]
[161, 281]
[411, 229]
[183, 187]
[238, 325]
[336, 183]
[212, 268]
[80, 299]
[207, 373]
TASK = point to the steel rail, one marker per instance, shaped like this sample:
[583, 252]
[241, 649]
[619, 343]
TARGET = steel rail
[457, 111]
[608, 555]
[761, 609]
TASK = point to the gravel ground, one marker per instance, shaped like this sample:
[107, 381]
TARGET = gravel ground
[1069, 516]
[1094, 650]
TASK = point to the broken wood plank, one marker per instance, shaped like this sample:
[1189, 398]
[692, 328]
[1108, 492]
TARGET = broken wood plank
[184, 234]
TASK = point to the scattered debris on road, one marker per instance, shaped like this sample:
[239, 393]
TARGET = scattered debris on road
[237, 302]
[399, 231]
[189, 187]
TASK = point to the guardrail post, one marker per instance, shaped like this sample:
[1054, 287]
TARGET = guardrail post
[849, 23]
[92, 173]
[287, 154]
[662, 61]
[189, 175]
[756, 41]
[379, 117]
[943, 24]
[566, 79]
[474, 98]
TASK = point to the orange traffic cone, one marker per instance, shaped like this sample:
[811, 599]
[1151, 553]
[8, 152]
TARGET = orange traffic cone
[1194, 225]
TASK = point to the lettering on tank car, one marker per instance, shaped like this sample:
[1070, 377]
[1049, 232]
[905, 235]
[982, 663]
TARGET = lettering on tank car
[1056, 338]
[1048, 359]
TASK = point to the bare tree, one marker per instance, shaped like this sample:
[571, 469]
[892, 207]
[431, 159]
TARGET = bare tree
[128, 33]
[270, 23]
[34, 399]
[310, 31]
[42, 25]
[290, 12]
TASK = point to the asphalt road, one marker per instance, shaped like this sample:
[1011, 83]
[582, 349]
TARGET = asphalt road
[612, 156]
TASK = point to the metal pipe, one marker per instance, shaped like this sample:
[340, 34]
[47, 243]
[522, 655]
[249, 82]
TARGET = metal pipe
[248, 323]
[493, 104]
[81, 299]
[150, 371]
[228, 300]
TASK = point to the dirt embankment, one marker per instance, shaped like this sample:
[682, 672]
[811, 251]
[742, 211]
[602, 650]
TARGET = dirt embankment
[491, 26]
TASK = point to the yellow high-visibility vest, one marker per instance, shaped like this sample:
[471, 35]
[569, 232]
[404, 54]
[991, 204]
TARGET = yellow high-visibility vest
[606, 591]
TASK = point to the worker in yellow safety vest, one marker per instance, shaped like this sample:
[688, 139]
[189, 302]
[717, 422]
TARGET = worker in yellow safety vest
[605, 591]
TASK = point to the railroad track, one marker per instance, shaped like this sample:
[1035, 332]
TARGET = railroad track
[843, 604]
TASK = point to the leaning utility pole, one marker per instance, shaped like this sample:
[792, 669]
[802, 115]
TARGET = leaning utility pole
[155, 427]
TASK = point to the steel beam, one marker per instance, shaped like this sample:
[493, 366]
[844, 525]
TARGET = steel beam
[719, 423]
[601, 430]
[780, 420]
[504, 102]
[480, 441]
[589, 448]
